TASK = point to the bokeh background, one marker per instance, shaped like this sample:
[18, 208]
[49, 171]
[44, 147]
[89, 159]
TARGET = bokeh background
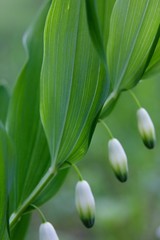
[124, 211]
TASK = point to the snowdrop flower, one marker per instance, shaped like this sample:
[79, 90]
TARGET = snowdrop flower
[47, 232]
[146, 128]
[118, 159]
[85, 203]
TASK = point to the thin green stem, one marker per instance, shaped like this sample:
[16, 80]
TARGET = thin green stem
[76, 170]
[50, 174]
[40, 213]
[135, 98]
[106, 128]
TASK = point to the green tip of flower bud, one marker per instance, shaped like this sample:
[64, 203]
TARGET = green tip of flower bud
[88, 223]
[122, 177]
[85, 203]
[146, 128]
[47, 232]
[118, 160]
[149, 143]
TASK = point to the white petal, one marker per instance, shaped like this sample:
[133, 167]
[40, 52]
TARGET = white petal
[47, 232]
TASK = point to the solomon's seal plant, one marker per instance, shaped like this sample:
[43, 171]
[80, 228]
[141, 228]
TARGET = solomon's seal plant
[81, 56]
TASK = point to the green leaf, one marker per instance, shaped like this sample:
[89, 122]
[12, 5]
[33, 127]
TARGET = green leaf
[52, 188]
[23, 122]
[132, 32]
[20, 230]
[153, 69]
[4, 101]
[73, 82]
[104, 9]
[3, 182]
[94, 28]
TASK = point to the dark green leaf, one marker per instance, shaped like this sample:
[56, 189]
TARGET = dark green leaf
[94, 28]
[3, 182]
[153, 70]
[52, 188]
[19, 231]
[4, 101]
[23, 123]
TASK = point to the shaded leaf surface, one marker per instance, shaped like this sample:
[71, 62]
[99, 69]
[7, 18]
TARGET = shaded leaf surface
[3, 182]
[19, 231]
[153, 70]
[23, 123]
[4, 101]
[52, 188]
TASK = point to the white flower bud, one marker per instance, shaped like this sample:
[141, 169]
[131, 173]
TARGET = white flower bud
[146, 128]
[85, 203]
[118, 159]
[47, 232]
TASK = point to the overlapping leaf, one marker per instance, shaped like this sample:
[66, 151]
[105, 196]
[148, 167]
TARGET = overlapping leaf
[153, 70]
[4, 150]
[20, 230]
[132, 32]
[23, 123]
[104, 9]
[73, 83]
[4, 101]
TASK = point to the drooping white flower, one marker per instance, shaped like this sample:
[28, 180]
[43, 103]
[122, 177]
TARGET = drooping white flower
[146, 128]
[85, 203]
[118, 159]
[47, 232]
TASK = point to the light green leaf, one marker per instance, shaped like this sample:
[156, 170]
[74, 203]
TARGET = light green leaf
[132, 32]
[23, 123]
[73, 82]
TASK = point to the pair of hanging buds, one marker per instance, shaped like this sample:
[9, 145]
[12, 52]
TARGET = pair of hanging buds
[85, 204]
[117, 155]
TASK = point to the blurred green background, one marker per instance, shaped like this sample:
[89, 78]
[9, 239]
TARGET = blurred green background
[124, 211]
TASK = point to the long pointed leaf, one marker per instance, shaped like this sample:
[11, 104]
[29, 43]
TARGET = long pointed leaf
[23, 123]
[73, 83]
[132, 32]
[3, 182]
